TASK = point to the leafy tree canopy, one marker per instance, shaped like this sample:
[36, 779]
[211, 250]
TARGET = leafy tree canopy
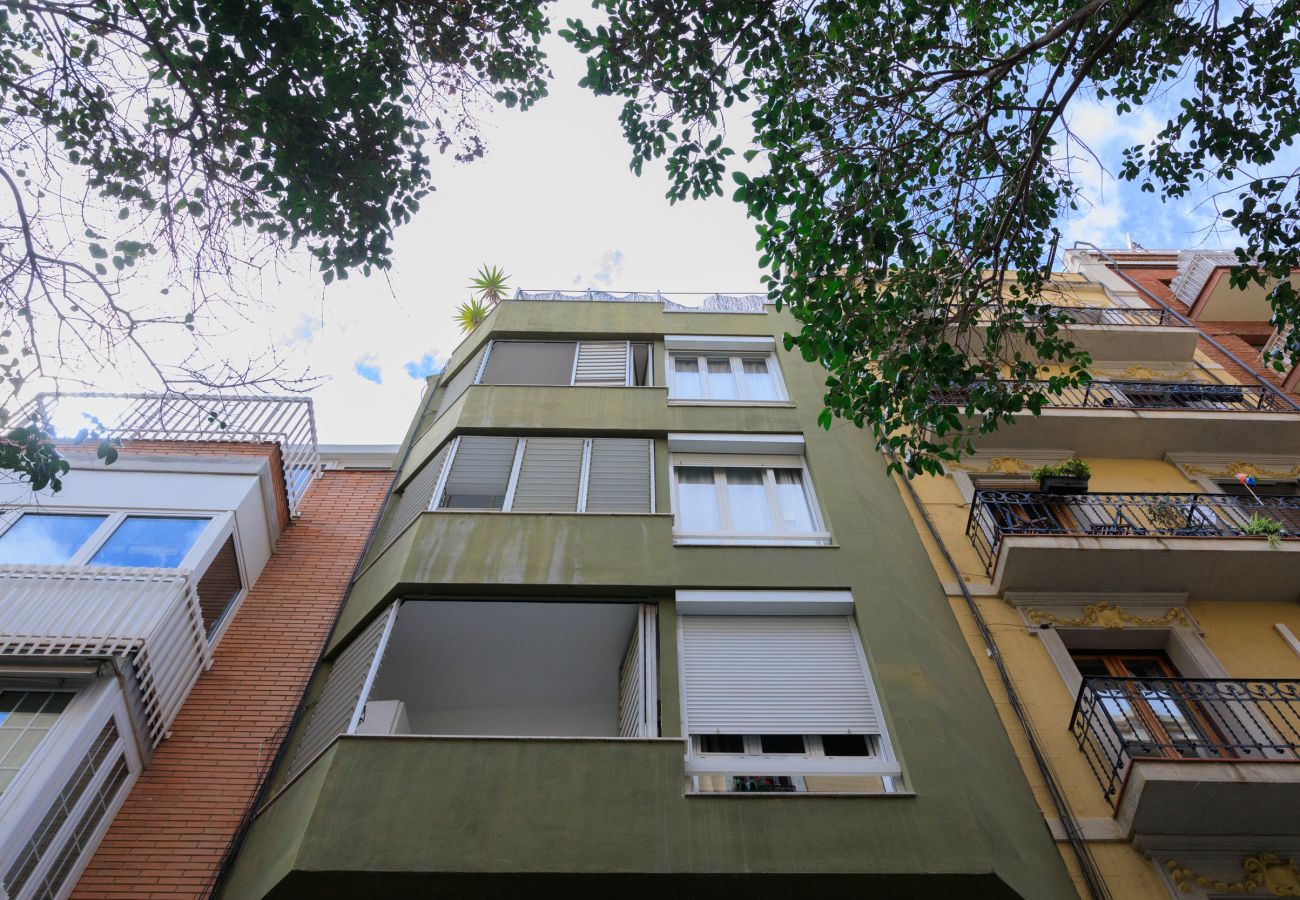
[209, 133]
[913, 159]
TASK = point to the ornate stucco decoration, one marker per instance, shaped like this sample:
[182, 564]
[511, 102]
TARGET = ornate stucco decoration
[1242, 467]
[1266, 871]
[1105, 615]
[1146, 373]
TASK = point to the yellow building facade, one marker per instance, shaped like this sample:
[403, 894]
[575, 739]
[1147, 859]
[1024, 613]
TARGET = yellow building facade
[1139, 633]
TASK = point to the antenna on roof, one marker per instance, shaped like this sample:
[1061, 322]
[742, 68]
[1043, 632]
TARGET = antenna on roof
[1132, 244]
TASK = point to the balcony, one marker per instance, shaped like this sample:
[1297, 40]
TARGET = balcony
[150, 615]
[1198, 543]
[1194, 756]
[1126, 333]
[1148, 419]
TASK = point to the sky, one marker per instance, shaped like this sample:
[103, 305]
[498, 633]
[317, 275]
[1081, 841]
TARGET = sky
[555, 205]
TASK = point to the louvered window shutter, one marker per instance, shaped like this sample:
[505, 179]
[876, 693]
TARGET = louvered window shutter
[459, 383]
[480, 473]
[775, 675]
[549, 475]
[415, 498]
[339, 704]
[637, 701]
[601, 362]
[619, 478]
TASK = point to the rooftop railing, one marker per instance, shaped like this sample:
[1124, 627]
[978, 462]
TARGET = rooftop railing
[675, 302]
[995, 515]
[1119, 720]
[289, 422]
[1190, 395]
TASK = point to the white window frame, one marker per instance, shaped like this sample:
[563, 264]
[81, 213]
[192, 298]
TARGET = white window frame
[736, 359]
[221, 525]
[573, 370]
[813, 761]
[435, 502]
[728, 533]
[97, 698]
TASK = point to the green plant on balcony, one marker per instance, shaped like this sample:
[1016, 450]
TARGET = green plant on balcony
[1168, 515]
[1071, 468]
[1069, 477]
[1262, 526]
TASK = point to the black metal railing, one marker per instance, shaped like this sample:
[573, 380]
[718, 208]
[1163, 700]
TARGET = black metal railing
[1119, 720]
[1146, 395]
[998, 514]
[1094, 315]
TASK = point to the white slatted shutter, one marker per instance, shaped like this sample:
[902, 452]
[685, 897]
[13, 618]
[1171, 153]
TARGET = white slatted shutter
[415, 498]
[480, 473]
[775, 675]
[459, 383]
[601, 362]
[619, 479]
[340, 702]
[637, 679]
[549, 475]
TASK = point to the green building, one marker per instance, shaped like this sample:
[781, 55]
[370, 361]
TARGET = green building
[632, 622]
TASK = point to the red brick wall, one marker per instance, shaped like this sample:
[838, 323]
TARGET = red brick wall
[169, 836]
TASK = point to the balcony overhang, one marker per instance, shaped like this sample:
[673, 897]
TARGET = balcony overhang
[150, 616]
[1122, 342]
[1209, 798]
[1148, 433]
[1206, 568]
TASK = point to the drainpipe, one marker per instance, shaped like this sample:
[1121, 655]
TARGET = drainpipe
[1092, 877]
[218, 879]
[1179, 317]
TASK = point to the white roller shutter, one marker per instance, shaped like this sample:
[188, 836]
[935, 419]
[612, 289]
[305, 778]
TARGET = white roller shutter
[480, 472]
[340, 702]
[619, 477]
[416, 497]
[775, 675]
[638, 703]
[549, 475]
[601, 362]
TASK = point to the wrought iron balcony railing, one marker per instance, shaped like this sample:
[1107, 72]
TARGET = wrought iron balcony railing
[998, 514]
[1108, 315]
[1119, 720]
[1187, 395]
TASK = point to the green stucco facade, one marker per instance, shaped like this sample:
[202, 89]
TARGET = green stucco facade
[412, 816]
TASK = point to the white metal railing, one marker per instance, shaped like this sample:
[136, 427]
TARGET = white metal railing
[150, 614]
[677, 302]
[1195, 268]
[1277, 344]
[289, 422]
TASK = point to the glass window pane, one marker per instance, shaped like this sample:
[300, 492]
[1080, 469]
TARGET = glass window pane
[758, 380]
[26, 717]
[796, 512]
[686, 377]
[46, 538]
[722, 743]
[781, 743]
[697, 500]
[845, 745]
[154, 541]
[748, 498]
[721, 385]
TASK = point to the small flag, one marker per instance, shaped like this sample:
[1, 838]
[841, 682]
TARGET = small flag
[1248, 480]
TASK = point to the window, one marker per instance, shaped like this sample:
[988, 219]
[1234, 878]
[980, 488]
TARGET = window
[724, 377]
[744, 499]
[153, 541]
[549, 474]
[578, 363]
[25, 718]
[220, 585]
[761, 718]
[46, 538]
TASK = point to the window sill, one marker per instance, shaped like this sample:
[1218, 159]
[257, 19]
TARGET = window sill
[770, 404]
[681, 540]
[790, 795]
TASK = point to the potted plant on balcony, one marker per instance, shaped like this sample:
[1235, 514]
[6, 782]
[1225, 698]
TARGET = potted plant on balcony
[1069, 477]
[1262, 526]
